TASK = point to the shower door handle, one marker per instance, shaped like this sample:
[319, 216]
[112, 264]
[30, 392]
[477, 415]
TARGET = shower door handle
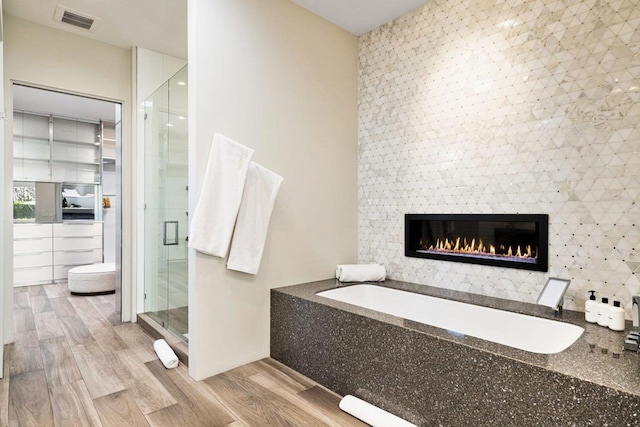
[170, 239]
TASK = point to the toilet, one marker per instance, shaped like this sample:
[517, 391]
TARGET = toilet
[92, 279]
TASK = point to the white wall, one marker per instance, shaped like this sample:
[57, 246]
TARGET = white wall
[50, 58]
[281, 80]
[153, 69]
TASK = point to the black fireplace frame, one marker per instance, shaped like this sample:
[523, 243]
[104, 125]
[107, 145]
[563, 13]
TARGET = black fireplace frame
[542, 230]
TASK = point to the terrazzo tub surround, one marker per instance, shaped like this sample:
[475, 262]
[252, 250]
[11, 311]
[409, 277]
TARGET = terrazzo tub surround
[431, 376]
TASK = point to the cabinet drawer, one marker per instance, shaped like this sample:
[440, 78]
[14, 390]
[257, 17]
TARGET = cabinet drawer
[77, 242]
[27, 231]
[31, 275]
[38, 259]
[38, 244]
[77, 257]
[67, 229]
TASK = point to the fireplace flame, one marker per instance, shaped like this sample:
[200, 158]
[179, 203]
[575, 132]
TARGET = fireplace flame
[463, 247]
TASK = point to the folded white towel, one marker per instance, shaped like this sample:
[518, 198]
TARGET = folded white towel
[250, 235]
[361, 273]
[70, 192]
[370, 414]
[217, 207]
[165, 354]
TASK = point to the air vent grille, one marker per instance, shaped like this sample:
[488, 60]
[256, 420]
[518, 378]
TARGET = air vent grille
[77, 20]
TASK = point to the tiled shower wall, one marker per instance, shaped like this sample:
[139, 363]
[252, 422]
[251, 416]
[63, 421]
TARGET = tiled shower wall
[506, 107]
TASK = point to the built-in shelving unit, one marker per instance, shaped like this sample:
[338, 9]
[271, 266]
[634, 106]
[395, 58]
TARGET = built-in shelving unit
[67, 153]
[31, 147]
[57, 149]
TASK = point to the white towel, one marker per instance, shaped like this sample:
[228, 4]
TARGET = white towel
[250, 235]
[165, 354]
[217, 208]
[361, 273]
[370, 414]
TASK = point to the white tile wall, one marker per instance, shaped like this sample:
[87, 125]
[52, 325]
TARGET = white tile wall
[506, 107]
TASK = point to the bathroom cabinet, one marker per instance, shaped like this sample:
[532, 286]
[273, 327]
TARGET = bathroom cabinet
[44, 253]
[75, 244]
[32, 254]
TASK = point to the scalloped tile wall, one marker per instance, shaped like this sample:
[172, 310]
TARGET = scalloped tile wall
[506, 107]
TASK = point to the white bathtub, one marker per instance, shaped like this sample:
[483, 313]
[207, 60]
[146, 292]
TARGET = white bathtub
[528, 333]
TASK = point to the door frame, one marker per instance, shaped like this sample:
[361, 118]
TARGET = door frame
[7, 238]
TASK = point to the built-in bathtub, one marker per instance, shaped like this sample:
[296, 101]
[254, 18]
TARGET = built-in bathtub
[436, 376]
[529, 333]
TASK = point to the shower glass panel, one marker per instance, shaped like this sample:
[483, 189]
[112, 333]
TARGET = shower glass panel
[166, 166]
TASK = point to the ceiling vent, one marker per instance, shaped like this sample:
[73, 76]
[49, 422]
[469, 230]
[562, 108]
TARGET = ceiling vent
[77, 19]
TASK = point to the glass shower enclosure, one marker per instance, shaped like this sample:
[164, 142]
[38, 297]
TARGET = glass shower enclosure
[166, 208]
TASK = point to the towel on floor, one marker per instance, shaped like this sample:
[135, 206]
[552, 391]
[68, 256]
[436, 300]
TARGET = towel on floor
[165, 354]
[370, 414]
[217, 207]
[361, 273]
[250, 235]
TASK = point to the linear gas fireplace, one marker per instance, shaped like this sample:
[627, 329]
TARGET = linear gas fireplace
[513, 241]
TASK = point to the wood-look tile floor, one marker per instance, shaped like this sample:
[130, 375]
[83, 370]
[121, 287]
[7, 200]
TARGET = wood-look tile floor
[73, 364]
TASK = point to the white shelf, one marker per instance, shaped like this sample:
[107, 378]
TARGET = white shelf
[31, 159]
[71, 147]
[64, 141]
[76, 162]
[31, 138]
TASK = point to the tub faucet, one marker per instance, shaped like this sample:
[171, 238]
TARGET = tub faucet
[635, 313]
[552, 294]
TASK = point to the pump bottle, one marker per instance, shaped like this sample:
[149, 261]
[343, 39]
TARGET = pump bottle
[591, 308]
[616, 317]
[603, 312]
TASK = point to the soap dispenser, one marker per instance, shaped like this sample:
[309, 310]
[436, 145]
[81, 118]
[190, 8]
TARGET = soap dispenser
[635, 312]
[603, 312]
[591, 308]
[616, 317]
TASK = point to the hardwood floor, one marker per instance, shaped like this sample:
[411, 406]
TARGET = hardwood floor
[73, 364]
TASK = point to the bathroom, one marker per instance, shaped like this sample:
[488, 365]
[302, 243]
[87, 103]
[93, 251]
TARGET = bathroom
[452, 118]
[480, 109]
[517, 107]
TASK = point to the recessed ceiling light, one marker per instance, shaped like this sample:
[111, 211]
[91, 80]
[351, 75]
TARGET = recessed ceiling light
[181, 117]
[182, 83]
[169, 125]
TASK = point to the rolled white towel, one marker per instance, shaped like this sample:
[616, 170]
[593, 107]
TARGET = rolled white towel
[361, 273]
[165, 354]
[370, 414]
